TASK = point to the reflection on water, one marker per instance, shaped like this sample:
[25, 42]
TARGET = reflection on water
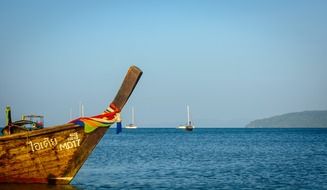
[36, 186]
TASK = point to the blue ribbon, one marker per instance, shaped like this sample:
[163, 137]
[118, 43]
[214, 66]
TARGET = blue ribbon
[118, 128]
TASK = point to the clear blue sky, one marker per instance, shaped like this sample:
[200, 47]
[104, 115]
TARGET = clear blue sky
[231, 61]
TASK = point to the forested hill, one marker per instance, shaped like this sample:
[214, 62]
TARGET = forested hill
[305, 119]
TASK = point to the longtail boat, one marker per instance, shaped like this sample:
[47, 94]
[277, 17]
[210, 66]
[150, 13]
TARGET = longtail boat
[53, 155]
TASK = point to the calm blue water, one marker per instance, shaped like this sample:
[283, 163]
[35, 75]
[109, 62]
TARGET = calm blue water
[208, 159]
[203, 159]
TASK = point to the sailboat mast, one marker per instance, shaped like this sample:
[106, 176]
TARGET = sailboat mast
[70, 114]
[188, 115]
[82, 110]
[132, 115]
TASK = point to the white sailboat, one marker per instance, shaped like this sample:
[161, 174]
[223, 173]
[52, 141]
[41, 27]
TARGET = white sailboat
[188, 126]
[131, 125]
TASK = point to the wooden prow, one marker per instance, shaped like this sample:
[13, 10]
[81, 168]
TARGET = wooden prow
[132, 77]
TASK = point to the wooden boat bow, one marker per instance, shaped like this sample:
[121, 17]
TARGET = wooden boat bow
[54, 155]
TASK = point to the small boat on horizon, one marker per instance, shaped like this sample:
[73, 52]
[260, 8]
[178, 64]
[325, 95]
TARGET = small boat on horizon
[188, 126]
[54, 155]
[132, 125]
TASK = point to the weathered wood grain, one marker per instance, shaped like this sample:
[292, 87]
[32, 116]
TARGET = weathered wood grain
[50, 156]
[54, 155]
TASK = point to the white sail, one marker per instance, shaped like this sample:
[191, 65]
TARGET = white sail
[132, 125]
[188, 126]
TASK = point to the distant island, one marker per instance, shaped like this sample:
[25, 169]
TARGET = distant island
[305, 119]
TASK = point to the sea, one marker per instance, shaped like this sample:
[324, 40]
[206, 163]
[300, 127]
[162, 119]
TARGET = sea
[206, 158]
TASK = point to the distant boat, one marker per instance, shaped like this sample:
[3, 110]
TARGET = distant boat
[132, 125]
[188, 126]
[53, 155]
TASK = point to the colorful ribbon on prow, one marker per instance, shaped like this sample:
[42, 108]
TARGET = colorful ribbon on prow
[110, 116]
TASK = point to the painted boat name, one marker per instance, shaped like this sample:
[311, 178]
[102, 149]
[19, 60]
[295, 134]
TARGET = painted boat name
[72, 141]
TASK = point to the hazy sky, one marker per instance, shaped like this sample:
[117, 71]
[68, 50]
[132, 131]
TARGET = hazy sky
[231, 61]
